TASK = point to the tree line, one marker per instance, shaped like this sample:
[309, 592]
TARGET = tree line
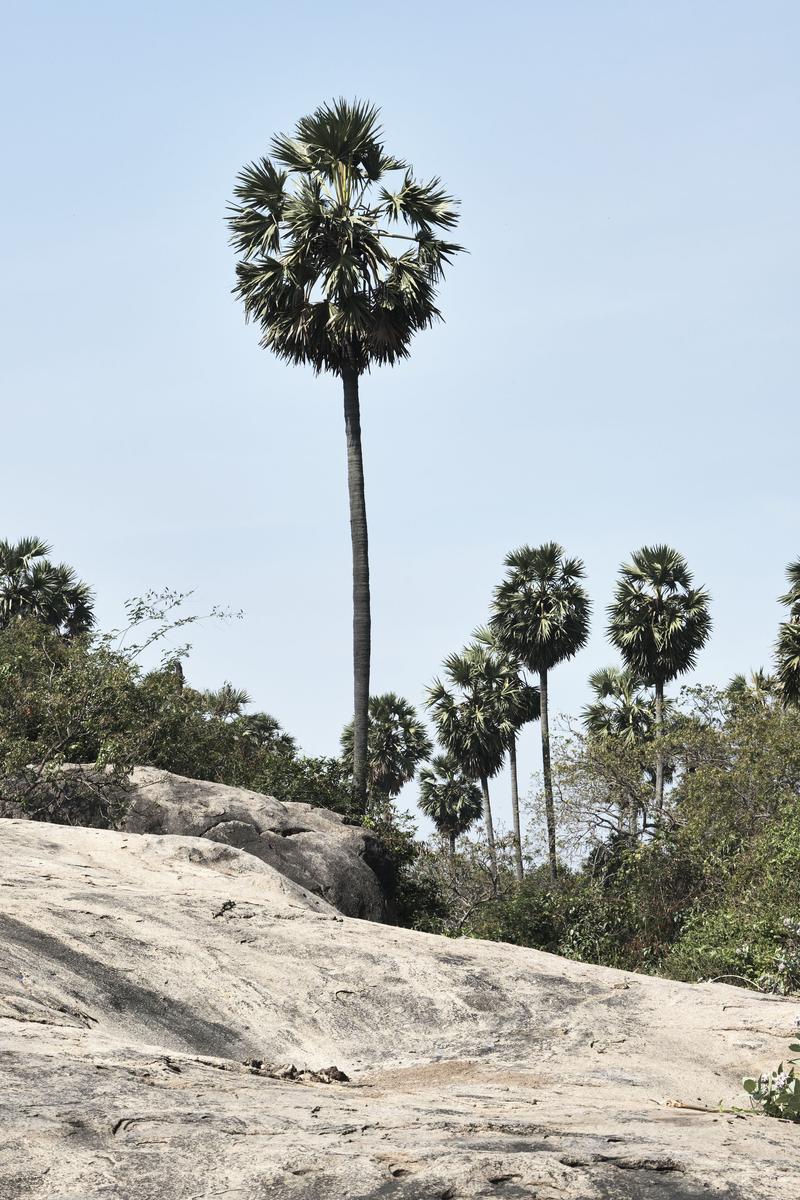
[539, 618]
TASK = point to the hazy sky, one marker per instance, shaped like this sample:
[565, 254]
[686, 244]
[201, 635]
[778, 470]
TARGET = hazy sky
[619, 363]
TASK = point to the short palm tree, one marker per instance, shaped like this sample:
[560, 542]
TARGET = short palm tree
[540, 615]
[524, 708]
[262, 731]
[340, 271]
[622, 714]
[474, 719]
[622, 708]
[226, 703]
[787, 651]
[398, 742]
[32, 586]
[758, 689]
[451, 800]
[659, 622]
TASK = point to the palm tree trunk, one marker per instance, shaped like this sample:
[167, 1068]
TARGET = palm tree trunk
[361, 606]
[487, 820]
[549, 807]
[512, 760]
[452, 844]
[659, 715]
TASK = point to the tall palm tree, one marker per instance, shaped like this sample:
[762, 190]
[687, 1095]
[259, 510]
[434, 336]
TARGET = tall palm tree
[451, 800]
[524, 707]
[659, 622]
[398, 742]
[32, 586]
[340, 271]
[474, 720]
[540, 614]
[787, 651]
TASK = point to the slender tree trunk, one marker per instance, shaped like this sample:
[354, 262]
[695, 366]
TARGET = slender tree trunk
[633, 820]
[487, 820]
[361, 607]
[659, 748]
[452, 844]
[549, 807]
[512, 760]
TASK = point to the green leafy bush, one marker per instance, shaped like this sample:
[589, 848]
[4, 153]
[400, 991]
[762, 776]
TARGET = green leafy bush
[777, 1093]
[87, 700]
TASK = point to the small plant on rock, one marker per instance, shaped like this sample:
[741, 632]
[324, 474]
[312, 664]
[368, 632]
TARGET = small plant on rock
[777, 1093]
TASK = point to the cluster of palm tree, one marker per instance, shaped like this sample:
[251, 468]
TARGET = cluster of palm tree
[339, 267]
[658, 621]
[33, 586]
[539, 619]
[500, 682]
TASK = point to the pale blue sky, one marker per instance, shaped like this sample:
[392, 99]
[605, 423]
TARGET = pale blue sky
[619, 363]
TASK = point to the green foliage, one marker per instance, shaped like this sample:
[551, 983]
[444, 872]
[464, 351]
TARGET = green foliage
[745, 922]
[777, 1093]
[451, 800]
[540, 612]
[394, 865]
[787, 651]
[708, 889]
[480, 712]
[299, 778]
[658, 621]
[397, 742]
[336, 266]
[32, 586]
[87, 700]
[621, 912]
[621, 710]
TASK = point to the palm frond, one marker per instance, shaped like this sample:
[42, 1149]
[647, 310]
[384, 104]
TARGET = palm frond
[326, 283]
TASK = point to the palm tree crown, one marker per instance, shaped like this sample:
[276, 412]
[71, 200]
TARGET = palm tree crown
[758, 689]
[540, 611]
[397, 742]
[226, 702]
[263, 731]
[31, 585]
[337, 267]
[448, 797]
[523, 697]
[478, 714]
[658, 620]
[622, 708]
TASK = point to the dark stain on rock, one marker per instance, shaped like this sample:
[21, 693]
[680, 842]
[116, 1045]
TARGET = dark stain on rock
[176, 1023]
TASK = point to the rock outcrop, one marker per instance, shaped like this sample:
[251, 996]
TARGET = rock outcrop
[154, 989]
[314, 847]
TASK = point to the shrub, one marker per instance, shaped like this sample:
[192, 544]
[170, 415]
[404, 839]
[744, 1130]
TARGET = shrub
[777, 1093]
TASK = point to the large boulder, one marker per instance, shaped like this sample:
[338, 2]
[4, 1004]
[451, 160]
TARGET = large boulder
[156, 992]
[312, 846]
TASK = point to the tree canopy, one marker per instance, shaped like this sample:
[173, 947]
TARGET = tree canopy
[339, 245]
[32, 585]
